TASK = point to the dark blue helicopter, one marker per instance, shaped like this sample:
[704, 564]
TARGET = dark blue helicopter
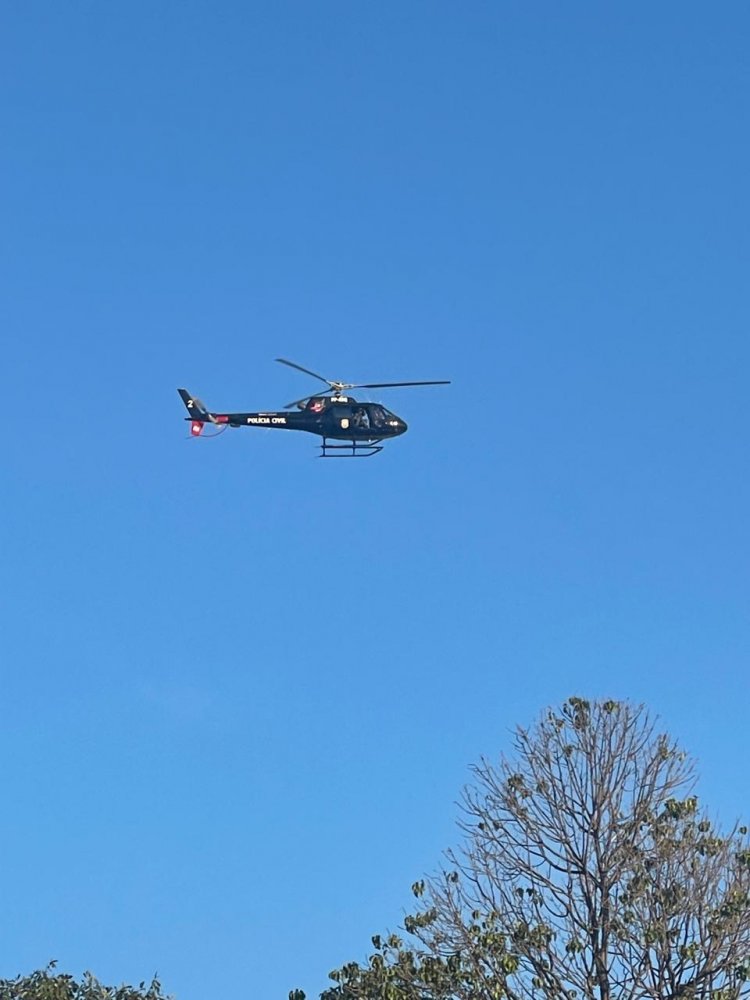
[349, 428]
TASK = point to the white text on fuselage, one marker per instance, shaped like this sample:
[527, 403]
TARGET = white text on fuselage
[266, 420]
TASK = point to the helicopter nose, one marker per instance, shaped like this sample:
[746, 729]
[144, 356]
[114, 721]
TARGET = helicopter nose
[402, 426]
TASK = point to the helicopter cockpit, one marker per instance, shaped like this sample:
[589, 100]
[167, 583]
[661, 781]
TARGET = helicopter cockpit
[368, 416]
[372, 415]
[363, 416]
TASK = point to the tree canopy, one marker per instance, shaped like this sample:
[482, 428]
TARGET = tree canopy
[587, 870]
[47, 984]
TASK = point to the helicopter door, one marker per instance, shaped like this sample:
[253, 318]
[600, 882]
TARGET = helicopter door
[344, 417]
[361, 418]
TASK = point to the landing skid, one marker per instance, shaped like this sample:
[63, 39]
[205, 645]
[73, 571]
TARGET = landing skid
[352, 449]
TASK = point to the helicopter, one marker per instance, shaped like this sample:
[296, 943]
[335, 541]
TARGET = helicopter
[349, 429]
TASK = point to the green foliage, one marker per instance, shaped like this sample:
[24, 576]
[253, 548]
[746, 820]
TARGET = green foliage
[46, 984]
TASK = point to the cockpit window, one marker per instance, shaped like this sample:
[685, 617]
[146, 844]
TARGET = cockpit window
[361, 417]
[378, 415]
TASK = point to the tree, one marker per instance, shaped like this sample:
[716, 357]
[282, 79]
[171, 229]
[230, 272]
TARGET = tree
[46, 984]
[587, 871]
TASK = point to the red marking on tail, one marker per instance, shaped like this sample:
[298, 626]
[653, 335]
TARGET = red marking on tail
[196, 428]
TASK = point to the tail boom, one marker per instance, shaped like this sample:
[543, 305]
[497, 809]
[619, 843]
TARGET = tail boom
[199, 415]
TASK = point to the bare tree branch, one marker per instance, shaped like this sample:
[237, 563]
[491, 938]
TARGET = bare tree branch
[586, 871]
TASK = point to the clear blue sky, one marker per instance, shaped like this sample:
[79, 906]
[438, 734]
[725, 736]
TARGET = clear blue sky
[241, 688]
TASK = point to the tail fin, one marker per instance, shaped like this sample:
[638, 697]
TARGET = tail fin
[199, 415]
[194, 406]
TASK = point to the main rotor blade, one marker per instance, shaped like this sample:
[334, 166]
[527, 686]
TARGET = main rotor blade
[385, 385]
[299, 368]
